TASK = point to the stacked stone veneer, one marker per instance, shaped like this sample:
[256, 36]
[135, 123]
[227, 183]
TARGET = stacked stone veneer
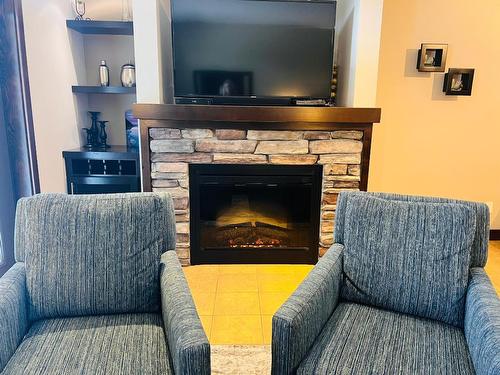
[172, 150]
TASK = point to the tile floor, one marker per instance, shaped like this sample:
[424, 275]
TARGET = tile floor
[493, 265]
[236, 302]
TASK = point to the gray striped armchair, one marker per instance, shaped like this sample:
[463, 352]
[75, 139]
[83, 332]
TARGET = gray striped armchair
[95, 290]
[402, 291]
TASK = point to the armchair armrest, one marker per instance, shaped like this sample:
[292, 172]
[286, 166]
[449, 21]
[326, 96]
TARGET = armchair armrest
[482, 323]
[301, 318]
[13, 311]
[187, 341]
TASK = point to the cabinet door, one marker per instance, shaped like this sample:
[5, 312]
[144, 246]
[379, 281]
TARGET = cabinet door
[104, 185]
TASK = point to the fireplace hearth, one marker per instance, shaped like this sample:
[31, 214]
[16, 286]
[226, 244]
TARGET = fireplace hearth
[254, 213]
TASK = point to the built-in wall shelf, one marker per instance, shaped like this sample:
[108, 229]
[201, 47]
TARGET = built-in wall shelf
[101, 27]
[103, 90]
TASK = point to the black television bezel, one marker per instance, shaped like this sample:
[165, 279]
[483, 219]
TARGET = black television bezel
[253, 99]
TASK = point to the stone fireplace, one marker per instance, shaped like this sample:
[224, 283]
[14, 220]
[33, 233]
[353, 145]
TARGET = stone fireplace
[176, 145]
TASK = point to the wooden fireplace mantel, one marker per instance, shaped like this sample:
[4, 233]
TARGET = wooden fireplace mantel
[254, 118]
[249, 117]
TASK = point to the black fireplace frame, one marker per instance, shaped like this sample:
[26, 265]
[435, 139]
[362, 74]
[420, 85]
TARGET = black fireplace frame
[312, 173]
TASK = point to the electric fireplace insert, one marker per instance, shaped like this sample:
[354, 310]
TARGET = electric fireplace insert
[254, 213]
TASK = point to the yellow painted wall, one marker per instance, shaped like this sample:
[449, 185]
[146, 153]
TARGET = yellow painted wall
[429, 143]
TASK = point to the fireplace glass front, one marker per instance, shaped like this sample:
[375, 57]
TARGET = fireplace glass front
[254, 213]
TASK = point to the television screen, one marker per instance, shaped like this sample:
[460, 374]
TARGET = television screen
[253, 48]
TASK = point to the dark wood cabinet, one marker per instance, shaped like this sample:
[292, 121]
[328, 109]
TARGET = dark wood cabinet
[115, 170]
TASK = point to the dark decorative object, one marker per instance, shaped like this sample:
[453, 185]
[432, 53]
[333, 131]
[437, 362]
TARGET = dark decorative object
[80, 10]
[103, 136]
[94, 130]
[89, 137]
[96, 136]
[458, 82]
[333, 96]
[432, 57]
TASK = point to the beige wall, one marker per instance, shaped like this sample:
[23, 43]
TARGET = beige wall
[429, 143]
[55, 61]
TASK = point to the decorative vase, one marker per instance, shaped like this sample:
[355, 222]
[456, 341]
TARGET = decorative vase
[127, 75]
[79, 7]
[103, 136]
[126, 10]
[89, 138]
[93, 135]
[103, 74]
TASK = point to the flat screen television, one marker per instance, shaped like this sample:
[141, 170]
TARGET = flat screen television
[249, 51]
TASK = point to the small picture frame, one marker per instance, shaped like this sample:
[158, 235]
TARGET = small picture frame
[458, 82]
[432, 57]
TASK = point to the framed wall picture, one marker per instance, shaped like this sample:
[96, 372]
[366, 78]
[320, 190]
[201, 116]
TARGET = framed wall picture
[458, 81]
[432, 57]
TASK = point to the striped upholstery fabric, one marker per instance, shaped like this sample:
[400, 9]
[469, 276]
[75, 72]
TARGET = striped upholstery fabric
[365, 340]
[361, 339]
[482, 323]
[108, 345]
[301, 318]
[13, 311]
[187, 340]
[410, 257]
[479, 252]
[92, 255]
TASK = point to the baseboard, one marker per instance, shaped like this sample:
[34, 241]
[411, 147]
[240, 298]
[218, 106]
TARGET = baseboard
[495, 234]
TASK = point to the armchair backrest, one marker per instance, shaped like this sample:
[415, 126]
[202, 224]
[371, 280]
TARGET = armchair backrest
[94, 254]
[407, 255]
[479, 251]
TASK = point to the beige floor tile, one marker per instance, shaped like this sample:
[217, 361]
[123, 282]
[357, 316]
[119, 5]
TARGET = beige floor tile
[495, 244]
[303, 270]
[204, 302]
[234, 269]
[231, 293]
[236, 330]
[201, 270]
[206, 322]
[493, 266]
[278, 283]
[267, 325]
[237, 303]
[199, 285]
[276, 269]
[237, 283]
[270, 302]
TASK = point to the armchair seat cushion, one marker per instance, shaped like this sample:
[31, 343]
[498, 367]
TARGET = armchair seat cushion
[359, 339]
[106, 344]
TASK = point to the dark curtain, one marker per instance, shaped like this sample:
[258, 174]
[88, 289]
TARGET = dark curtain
[18, 170]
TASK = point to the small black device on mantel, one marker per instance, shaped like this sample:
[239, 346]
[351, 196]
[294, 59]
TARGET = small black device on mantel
[253, 52]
